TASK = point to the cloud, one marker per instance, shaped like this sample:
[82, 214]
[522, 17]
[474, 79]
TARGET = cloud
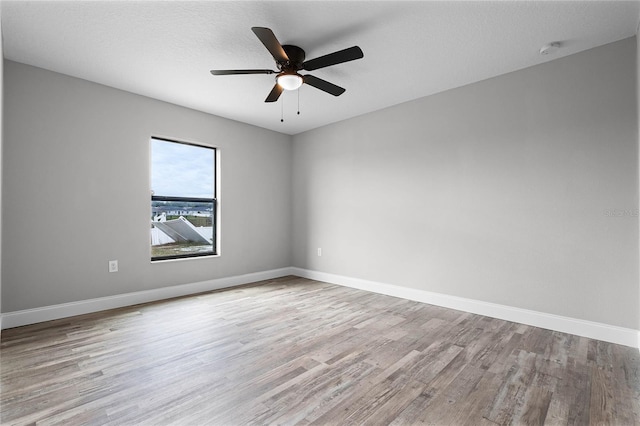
[181, 170]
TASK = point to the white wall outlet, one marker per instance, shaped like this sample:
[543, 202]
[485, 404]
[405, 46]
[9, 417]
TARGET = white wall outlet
[113, 266]
[319, 251]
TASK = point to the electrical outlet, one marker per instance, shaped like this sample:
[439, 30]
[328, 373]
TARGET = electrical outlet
[319, 251]
[113, 266]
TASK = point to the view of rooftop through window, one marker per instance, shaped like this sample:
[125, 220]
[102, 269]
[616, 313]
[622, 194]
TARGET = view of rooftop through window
[182, 200]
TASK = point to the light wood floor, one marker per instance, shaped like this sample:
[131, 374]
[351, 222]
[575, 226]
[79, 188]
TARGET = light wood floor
[298, 351]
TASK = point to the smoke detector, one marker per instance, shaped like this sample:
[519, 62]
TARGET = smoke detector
[549, 49]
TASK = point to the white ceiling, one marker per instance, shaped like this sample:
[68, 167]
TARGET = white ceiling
[165, 49]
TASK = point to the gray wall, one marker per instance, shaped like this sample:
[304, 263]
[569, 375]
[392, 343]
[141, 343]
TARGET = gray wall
[1, 133]
[76, 191]
[519, 190]
[638, 123]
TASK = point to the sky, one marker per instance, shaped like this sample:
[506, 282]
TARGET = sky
[181, 170]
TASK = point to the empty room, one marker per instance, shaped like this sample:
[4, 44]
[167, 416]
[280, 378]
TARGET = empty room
[319, 212]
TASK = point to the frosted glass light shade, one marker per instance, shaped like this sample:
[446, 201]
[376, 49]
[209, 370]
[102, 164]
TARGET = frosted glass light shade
[289, 81]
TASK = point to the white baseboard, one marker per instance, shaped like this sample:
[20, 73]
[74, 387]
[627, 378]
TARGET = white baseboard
[590, 329]
[47, 313]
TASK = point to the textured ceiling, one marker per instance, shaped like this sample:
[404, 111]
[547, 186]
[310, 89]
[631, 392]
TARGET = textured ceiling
[165, 50]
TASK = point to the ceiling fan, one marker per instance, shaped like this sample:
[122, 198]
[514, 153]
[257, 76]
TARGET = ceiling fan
[291, 59]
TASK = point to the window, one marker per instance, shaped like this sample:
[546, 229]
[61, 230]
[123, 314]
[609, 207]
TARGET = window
[183, 200]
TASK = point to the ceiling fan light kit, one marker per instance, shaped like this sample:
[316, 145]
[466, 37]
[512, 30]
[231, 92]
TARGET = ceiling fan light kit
[289, 81]
[291, 59]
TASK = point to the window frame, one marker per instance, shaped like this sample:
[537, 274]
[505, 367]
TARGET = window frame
[214, 201]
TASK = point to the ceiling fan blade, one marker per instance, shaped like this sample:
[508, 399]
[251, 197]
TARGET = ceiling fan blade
[234, 72]
[323, 85]
[275, 93]
[345, 55]
[272, 44]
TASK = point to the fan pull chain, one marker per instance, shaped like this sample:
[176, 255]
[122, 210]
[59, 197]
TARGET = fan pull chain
[282, 106]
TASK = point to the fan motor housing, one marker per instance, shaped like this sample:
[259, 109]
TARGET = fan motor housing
[296, 57]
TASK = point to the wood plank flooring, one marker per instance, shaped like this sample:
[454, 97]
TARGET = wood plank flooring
[296, 351]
